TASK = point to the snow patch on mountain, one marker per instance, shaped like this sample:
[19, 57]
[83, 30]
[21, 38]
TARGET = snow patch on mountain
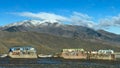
[28, 23]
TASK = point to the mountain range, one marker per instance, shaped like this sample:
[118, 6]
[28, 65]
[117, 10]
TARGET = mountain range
[52, 36]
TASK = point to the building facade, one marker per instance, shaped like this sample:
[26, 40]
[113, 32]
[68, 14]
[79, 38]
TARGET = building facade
[22, 52]
[73, 54]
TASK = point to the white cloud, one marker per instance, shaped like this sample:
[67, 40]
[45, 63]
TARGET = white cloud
[44, 16]
[81, 15]
[82, 19]
[76, 18]
[108, 22]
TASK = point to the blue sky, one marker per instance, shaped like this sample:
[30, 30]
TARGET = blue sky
[95, 10]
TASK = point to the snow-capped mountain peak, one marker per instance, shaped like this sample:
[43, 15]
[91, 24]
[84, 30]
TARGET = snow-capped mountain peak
[25, 23]
[34, 23]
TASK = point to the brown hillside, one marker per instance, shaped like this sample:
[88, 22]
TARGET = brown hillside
[45, 43]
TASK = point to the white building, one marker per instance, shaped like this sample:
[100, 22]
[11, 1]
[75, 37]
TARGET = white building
[105, 52]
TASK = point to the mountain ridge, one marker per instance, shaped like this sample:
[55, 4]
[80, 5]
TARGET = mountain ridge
[57, 29]
[52, 37]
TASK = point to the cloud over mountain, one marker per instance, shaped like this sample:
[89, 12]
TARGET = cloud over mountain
[81, 19]
[76, 18]
[112, 21]
[44, 16]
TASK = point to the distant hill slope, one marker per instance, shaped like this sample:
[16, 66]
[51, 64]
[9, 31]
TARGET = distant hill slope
[45, 43]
